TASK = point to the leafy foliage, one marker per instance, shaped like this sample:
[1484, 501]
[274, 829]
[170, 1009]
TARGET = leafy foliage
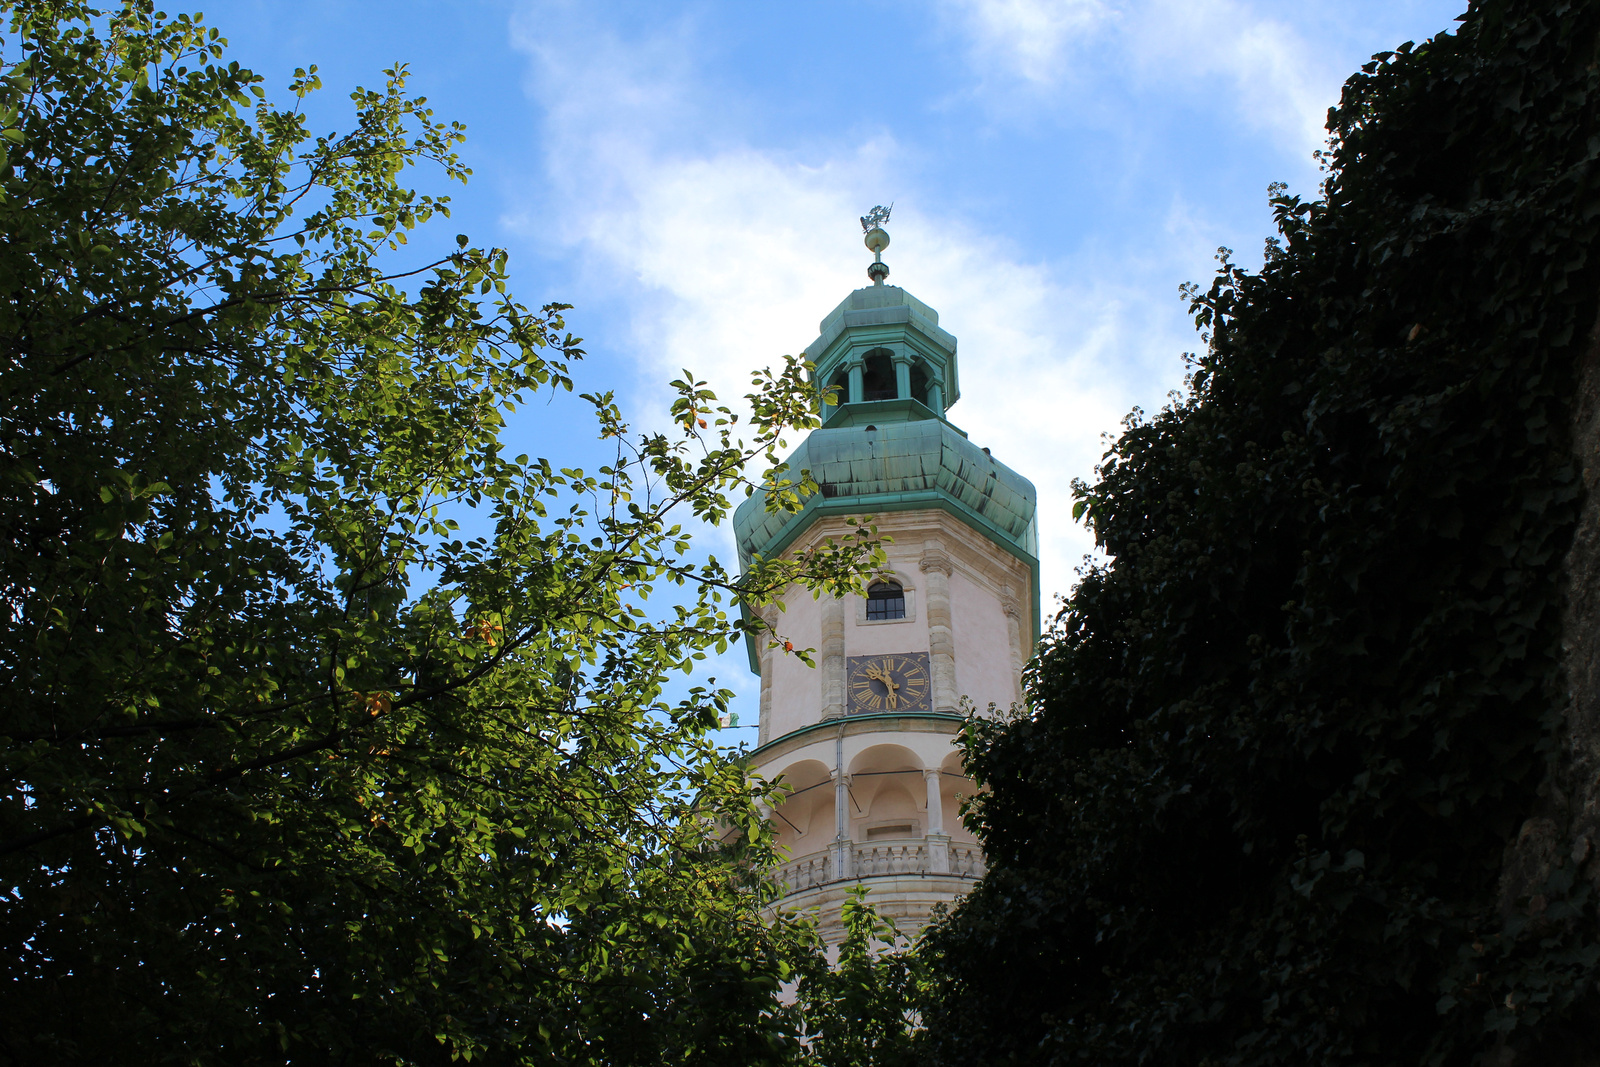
[863, 1010]
[293, 767]
[1285, 739]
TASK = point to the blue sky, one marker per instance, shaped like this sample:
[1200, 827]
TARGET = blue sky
[689, 176]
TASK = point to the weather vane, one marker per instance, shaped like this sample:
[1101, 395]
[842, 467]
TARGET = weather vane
[876, 218]
[877, 240]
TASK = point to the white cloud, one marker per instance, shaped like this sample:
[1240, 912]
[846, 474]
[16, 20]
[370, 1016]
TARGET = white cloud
[735, 253]
[1258, 65]
[723, 252]
[1276, 80]
[1029, 39]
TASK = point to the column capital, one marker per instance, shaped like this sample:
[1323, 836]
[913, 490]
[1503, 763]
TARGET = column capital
[1012, 609]
[930, 772]
[935, 561]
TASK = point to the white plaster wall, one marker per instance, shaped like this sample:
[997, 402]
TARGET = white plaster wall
[812, 815]
[984, 577]
[983, 644]
[884, 781]
[796, 688]
[955, 788]
[888, 803]
[890, 635]
[885, 757]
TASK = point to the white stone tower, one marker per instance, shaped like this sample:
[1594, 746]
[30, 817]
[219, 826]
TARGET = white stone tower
[865, 740]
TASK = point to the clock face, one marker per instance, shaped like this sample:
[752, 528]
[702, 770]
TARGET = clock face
[896, 682]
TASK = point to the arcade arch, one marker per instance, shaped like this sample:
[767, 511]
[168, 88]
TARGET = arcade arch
[804, 815]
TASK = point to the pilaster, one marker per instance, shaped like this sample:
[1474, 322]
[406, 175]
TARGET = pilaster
[941, 635]
[769, 616]
[1013, 610]
[831, 676]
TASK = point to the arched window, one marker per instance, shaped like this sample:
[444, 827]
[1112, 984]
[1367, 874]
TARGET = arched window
[877, 376]
[919, 382]
[841, 383]
[885, 600]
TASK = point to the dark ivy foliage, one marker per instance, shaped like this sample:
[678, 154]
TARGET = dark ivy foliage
[1284, 738]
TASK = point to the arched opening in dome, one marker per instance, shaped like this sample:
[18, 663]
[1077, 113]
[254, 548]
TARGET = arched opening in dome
[920, 382]
[885, 600]
[841, 385]
[877, 376]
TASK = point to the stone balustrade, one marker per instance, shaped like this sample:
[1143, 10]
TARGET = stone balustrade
[880, 858]
[891, 857]
[803, 872]
[967, 861]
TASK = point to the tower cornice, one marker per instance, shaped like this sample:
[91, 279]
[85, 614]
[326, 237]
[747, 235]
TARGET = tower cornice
[877, 722]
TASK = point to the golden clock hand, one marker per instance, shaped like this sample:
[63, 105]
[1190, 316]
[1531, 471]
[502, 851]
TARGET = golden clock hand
[878, 674]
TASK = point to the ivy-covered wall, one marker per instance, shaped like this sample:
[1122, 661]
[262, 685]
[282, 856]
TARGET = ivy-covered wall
[1312, 775]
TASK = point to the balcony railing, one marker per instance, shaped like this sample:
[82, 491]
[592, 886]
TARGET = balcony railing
[805, 872]
[911, 856]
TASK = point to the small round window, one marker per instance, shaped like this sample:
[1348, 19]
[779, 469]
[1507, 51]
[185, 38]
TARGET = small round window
[885, 600]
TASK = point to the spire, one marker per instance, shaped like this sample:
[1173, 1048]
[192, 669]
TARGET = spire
[877, 240]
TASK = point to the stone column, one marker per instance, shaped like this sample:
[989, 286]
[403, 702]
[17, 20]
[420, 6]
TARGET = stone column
[1013, 611]
[941, 635]
[935, 840]
[841, 822]
[930, 775]
[841, 812]
[832, 674]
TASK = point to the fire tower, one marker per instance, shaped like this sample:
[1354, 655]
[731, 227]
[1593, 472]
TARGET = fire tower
[865, 740]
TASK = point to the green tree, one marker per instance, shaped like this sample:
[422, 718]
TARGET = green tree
[1287, 792]
[296, 769]
[864, 1010]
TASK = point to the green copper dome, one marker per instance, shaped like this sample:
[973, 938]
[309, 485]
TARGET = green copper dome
[893, 463]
